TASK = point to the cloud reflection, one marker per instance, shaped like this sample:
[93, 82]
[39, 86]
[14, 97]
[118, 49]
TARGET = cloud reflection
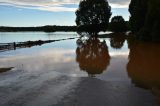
[59, 60]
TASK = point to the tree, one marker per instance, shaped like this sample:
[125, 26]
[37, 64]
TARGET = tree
[138, 10]
[118, 24]
[151, 28]
[145, 19]
[93, 16]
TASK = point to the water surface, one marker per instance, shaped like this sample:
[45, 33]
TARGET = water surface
[66, 68]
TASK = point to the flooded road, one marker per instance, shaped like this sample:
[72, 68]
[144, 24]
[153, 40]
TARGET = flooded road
[79, 72]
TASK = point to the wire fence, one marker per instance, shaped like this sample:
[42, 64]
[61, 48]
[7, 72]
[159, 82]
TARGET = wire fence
[27, 44]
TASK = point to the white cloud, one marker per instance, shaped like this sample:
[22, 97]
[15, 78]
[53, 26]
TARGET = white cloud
[119, 3]
[56, 5]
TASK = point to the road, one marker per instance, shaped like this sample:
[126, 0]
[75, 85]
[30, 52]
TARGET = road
[20, 88]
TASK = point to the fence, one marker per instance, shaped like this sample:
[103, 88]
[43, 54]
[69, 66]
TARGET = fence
[27, 44]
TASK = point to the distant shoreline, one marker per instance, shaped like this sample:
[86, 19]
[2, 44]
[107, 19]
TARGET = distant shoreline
[53, 28]
[49, 28]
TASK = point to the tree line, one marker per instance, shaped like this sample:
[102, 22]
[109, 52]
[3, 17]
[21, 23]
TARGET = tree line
[92, 16]
[53, 28]
[41, 28]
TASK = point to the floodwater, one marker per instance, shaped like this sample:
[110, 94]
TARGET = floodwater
[79, 72]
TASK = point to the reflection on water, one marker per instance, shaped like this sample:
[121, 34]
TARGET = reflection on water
[17, 45]
[8, 37]
[92, 55]
[117, 40]
[144, 65]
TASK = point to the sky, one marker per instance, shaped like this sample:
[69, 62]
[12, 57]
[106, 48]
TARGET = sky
[48, 12]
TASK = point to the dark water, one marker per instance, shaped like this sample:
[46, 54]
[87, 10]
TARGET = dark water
[130, 65]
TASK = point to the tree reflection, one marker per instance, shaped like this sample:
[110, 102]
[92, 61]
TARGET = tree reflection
[92, 55]
[117, 40]
[144, 65]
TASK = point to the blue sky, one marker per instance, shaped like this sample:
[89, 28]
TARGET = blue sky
[48, 12]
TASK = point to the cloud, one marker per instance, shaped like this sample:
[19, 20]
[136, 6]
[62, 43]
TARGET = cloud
[56, 5]
[119, 3]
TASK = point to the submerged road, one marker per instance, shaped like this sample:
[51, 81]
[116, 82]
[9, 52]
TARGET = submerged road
[20, 88]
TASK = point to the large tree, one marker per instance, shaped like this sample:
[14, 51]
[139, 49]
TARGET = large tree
[138, 10]
[145, 19]
[151, 27]
[93, 16]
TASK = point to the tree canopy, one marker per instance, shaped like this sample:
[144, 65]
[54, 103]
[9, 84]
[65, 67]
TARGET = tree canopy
[93, 16]
[138, 10]
[145, 19]
[118, 24]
